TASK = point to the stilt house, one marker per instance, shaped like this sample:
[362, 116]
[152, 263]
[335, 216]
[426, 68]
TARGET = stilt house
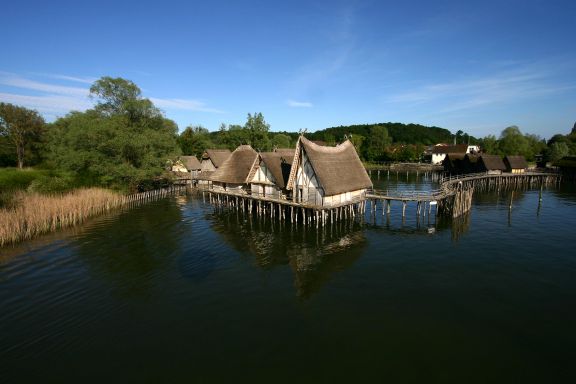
[439, 152]
[270, 173]
[515, 164]
[327, 176]
[491, 164]
[212, 159]
[187, 164]
[453, 163]
[234, 173]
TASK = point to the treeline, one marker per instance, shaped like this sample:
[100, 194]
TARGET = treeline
[123, 142]
[126, 142]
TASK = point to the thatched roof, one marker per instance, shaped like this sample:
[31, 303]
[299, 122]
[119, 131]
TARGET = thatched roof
[279, 164]
[217, 156]
[236, 168]
[451, 158]
[471, 158]
[515, 162]
[492, 163]
[459, 148]
[338, 169]
[190, 162]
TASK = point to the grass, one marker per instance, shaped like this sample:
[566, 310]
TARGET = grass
[32, 214]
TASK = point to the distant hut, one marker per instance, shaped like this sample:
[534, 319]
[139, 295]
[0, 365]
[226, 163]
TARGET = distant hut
[515, 164]
[233, 174]
[212, 159]
[187, 164]
[327, 176]
[270, 173]
[439, 152]
[454, 163]
[492, 164]
[470, 163]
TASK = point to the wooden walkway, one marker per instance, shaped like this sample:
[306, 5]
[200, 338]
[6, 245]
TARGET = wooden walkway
[453, 198]
[455, 194]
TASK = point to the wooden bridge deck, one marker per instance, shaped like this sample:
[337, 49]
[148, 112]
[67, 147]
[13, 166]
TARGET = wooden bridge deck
[447, 187]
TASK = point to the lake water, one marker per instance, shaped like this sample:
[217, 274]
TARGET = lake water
[173, 291]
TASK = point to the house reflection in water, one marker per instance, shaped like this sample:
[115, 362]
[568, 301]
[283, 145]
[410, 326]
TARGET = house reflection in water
[314, 256]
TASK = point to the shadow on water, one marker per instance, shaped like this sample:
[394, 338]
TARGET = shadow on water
[133, 250]
[313, 254]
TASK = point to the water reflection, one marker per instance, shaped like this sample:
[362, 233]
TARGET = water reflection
[313, 254]
[133, 249]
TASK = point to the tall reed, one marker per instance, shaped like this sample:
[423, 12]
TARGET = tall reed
[35, 214]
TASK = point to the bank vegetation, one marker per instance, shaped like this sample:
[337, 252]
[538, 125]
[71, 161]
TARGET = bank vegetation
[33, 214]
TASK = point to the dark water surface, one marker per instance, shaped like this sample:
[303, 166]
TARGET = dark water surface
[175, 292]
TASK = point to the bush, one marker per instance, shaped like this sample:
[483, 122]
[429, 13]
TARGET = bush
[48, 185]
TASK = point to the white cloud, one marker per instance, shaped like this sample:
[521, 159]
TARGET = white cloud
[53, 99]
[498, 88]
[183, 104]
[299, 104]
[84, 80]
[50, 104]
[16, 81]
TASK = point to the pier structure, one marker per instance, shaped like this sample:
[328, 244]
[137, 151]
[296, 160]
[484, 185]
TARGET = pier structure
[452, 199]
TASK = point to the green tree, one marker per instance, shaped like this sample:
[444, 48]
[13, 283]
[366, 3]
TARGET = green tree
[557, 151]
[21, 127]
[513, 142]
[121, 142]
[281, 140]
[194, 140]
[489, 144]
[376, 143]
[257, 131]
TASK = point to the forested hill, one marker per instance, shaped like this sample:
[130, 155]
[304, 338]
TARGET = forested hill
[398, 132]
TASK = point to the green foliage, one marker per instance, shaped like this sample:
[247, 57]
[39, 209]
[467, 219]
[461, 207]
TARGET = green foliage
[489, 144]
[257, 132]
[376, 143]
[122, 141]
[52, 184]
[22, 128]
[194, 140]
[557, 151]
[13, 179]
[281, 140]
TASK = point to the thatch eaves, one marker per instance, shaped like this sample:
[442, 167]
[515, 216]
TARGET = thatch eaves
[492, 163]
[279, 163]
[191, 163]
[459, 148]
[236, 168]
[515, 162]
[217, 156]
[338, 169]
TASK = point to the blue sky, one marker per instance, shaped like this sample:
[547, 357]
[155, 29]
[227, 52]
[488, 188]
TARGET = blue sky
[476, 66]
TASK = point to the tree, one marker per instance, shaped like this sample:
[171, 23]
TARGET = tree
[376, 143]
[122, 141]
[557, 151]
[257, 131]
[489, 145]
[281, 140]
[20, 126]
[513, 142]
[122, 97]
[194, 140]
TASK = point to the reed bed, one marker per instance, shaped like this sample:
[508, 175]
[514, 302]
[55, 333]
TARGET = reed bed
[35, 214]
